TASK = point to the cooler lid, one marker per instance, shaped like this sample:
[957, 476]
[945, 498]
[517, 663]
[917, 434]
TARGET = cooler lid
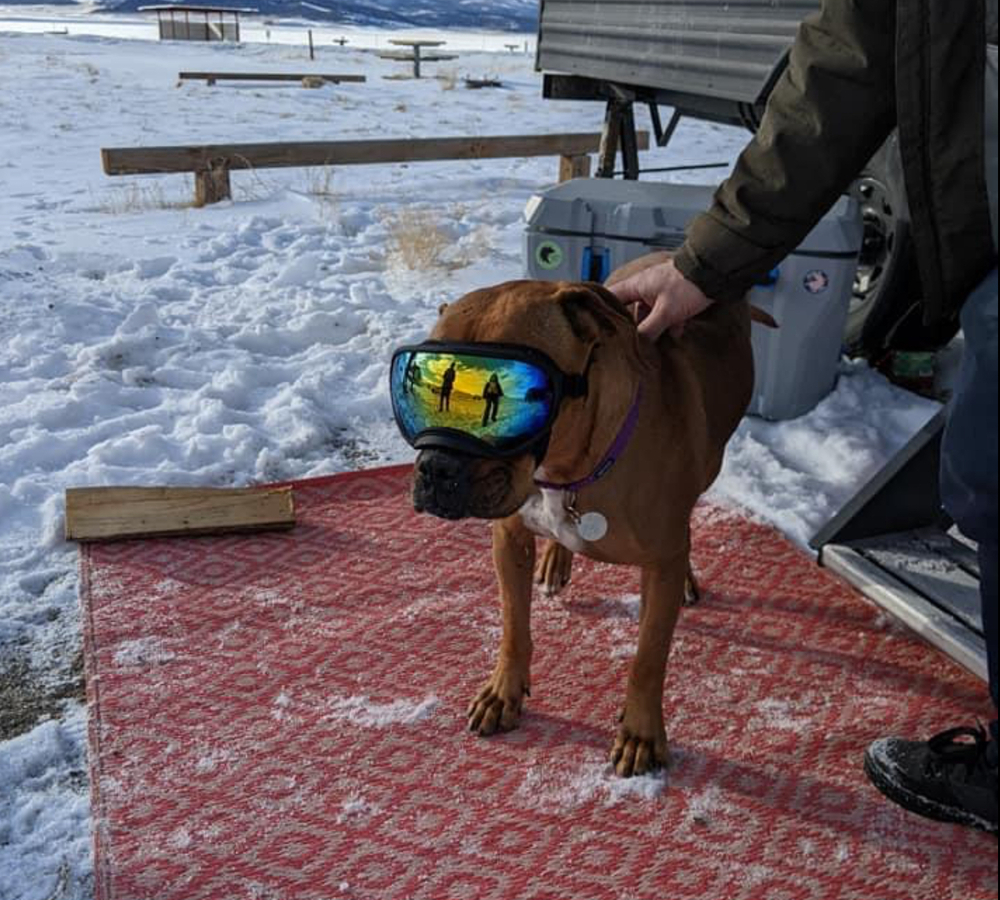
[656, 213]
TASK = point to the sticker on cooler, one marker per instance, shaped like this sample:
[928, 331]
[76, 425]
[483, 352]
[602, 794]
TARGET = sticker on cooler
[816, 281]
[549, 255]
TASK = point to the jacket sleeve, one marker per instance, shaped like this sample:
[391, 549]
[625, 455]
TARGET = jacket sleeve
[829, 112]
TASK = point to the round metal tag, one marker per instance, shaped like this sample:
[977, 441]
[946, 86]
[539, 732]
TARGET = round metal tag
[592, 526]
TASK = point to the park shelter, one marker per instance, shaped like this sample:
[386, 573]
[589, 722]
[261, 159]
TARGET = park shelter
[182, 22]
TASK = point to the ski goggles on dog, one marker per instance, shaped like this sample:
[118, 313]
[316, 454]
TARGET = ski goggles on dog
[494, 400]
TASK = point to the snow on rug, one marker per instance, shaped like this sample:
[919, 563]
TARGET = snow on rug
[281, 717]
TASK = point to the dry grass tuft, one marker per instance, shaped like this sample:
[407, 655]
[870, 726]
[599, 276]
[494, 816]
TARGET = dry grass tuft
[416, 241]
[132, 198]
[319, 185]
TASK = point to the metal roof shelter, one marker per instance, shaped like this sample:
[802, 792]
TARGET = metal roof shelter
[182, 22]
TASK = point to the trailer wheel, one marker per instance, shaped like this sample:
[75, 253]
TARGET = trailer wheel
[886, 266]
[885, 312]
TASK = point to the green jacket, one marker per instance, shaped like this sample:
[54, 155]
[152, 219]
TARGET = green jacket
[857, 69]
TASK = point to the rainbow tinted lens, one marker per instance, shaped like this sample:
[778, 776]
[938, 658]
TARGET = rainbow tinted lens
[499, 401]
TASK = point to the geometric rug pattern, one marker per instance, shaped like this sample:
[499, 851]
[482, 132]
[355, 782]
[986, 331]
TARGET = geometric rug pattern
[281, 717]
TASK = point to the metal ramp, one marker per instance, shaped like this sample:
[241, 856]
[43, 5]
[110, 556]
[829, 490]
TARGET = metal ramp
[895, 543]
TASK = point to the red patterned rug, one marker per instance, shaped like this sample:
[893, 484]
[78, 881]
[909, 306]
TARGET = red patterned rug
[280, 717]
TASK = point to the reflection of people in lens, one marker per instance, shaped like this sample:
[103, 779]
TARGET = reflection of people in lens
[492, 393]
[411, 377]
[447, 383]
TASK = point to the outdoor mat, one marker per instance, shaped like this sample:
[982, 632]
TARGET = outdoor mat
[281, 717]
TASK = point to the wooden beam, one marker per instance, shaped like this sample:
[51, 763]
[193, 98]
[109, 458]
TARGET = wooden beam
[573, 167]
[120, 513]
[148, 160]
[212, 77]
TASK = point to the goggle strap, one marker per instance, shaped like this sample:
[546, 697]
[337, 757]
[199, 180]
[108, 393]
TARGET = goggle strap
[578, 385]
[575, 386]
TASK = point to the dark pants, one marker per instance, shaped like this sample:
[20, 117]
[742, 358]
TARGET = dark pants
[492, 408]
[969, 456]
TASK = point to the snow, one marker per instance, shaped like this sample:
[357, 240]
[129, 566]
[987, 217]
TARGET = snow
[45, 810]
[591, 780]
[366, 713]
[146, 342]
[142, 652]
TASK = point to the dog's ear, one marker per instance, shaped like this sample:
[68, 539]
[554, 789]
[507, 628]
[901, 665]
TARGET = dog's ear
[442, 308]
[592, 311]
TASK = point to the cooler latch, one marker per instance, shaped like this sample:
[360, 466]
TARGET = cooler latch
[595, 265]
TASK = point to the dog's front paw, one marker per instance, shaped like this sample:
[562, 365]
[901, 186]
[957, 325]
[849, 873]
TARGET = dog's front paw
[640, 746]
[497, 706]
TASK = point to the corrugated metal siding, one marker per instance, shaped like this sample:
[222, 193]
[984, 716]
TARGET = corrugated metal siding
[705, 47]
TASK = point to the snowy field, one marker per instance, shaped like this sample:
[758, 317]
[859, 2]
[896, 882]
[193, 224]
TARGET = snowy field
[143, 341]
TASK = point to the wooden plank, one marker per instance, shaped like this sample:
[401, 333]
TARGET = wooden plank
[267, 76]
[118, 513]
[934, 625]
[478, 83]
[148, 160]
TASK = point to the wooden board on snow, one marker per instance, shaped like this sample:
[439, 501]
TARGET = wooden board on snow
[120, 513]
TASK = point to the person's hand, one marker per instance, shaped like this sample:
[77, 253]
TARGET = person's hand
[666, 299]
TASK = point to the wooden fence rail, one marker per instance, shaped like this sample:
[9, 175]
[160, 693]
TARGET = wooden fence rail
[213, 77]
[212, 163]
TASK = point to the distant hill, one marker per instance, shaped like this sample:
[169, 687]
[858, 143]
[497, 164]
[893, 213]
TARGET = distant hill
[501, 15]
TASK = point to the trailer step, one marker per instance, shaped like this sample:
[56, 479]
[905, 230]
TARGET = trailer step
[927, 580]
[895, 544]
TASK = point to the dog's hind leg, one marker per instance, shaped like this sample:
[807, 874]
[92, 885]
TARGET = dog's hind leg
[497, 705]
[555, 568]
[641, 743]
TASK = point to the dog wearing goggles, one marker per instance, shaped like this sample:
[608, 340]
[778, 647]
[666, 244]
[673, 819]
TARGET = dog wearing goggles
[558, 420]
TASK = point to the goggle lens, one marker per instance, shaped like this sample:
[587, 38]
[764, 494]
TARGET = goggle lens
[499, 401]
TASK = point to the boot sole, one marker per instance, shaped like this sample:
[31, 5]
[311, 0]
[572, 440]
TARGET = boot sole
[921, 805]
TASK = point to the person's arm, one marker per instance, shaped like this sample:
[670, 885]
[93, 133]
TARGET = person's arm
[829, 112]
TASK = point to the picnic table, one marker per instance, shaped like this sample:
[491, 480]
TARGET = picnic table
[416, 56]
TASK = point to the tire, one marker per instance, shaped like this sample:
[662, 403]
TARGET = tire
[886, 264]
[885, 312]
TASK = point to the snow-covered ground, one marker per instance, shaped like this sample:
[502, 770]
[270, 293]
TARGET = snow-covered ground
[143, 341]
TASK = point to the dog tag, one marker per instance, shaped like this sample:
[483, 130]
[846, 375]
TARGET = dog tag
[592, 526]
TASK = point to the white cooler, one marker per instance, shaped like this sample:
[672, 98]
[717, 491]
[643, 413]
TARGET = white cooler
[582, 230]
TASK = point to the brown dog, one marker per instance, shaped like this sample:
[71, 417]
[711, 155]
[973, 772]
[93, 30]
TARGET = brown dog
[694, 390]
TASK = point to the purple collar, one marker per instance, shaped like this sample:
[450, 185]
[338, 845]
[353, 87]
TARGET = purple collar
[610, 458]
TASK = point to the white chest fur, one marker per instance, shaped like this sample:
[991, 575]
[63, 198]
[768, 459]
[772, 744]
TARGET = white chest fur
[545, 514]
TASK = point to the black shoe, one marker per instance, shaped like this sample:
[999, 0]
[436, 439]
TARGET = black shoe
[945, 778]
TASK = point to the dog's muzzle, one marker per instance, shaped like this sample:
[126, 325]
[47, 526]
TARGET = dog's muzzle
[442, 485]
[454, 485]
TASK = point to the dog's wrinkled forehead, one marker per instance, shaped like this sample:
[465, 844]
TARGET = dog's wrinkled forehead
[546, 315]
